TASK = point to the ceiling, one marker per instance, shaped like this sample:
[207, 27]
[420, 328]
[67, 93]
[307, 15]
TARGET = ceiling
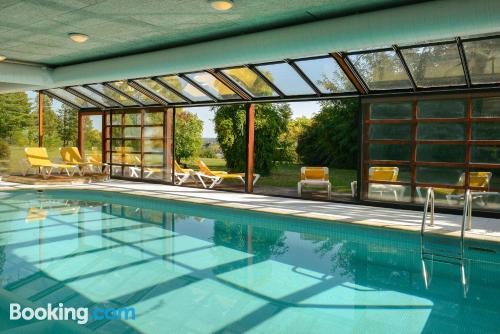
[36, 31]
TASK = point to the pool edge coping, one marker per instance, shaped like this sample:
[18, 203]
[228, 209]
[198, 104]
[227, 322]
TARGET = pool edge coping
[328, 218]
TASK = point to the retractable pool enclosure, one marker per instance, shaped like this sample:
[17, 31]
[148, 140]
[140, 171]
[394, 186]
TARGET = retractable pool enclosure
[430, 112]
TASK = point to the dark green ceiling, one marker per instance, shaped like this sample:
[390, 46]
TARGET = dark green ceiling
[36, 31]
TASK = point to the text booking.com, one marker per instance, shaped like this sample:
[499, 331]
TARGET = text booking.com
[81, 315]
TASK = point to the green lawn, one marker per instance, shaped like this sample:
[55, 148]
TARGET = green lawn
[287, 176]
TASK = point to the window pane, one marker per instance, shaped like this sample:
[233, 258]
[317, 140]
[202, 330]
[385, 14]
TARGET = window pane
[153, 118]
[250, 81]
[122, 99]
[153, 146]
[436, 65]
[132, 119]
[486, 107]
[485, 131]
[213, 85]
[391, 111]
[485, 154]
[96, 97]
[71, 98]
[286, 79]
[153, 132]
[123, 86]
[439, 175]
[116, 132]
[132, 132]
[117, 119]
[442, 109]
[185, 88]
[441, 131]
[390, 131]
[483, 59]
[390, 152]
[440, 153]
[327, 75]
[158, 89]
[153, 159]
[381, 70]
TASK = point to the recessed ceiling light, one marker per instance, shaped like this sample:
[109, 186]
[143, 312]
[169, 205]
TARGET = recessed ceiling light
[2, 58]
[221, 4]
[77, 37]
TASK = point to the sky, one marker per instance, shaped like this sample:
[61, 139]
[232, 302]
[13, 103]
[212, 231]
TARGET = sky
[299, 109]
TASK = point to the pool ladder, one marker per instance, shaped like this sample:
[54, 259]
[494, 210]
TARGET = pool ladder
[456, 259]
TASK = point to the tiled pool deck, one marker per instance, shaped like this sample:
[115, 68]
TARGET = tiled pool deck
[482, 228]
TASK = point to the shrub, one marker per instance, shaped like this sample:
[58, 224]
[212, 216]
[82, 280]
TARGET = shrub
[332, 137]
[4, 150]
[270, 123]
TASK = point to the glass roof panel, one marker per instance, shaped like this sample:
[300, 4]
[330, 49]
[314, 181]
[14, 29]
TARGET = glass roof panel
[122, 99]
[286, 79]
[483, 59]
[185, 88]
[250, 81]
[381, 70]
[96, 97]
[159, 90]
[213, 85]
[435, 65]
[81, 103]
[327, 75]
[123, 86]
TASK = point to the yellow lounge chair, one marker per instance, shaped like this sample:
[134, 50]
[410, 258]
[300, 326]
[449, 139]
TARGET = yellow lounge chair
[71, 156]
[384, 174]
[216, 177]
[182, 174]
[95, 158]
[476, 180]
[314, 176]
[37, 157]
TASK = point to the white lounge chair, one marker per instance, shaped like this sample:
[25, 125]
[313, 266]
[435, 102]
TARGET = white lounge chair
[316, 177]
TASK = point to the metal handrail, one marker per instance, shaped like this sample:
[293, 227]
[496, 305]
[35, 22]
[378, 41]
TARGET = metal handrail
[466, 223]
[466, 220]
[428, 200]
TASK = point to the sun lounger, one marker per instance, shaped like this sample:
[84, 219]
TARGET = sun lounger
[37, 157]
[217, 177]
[316, 177]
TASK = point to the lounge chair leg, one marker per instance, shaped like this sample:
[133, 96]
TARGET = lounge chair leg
[299, 189]
[329, 191]
[354, 186]
[201, 180]
[215, 182]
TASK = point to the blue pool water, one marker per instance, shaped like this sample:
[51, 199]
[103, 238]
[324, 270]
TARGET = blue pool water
[187, 268]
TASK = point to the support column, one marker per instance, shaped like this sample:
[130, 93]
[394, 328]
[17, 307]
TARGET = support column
[168, 119]
[80, 133]
[174, 158]
[250, 126]
[40, 119]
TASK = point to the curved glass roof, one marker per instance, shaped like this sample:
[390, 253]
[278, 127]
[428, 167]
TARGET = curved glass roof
[250, 81]
[435, 65]
[326, 75]
[213, 85]
[450, 65]
[286, 79]
[381, 70]
[483, 59]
